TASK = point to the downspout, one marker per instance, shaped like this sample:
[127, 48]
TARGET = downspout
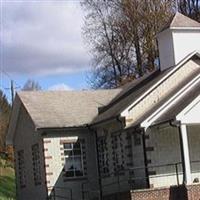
[97, 162]
[145, 158]
[176, 124]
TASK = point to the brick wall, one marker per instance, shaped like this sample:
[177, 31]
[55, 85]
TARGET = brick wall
[191, 192]
[172, 193]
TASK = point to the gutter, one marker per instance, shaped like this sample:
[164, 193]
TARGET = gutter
[103, 121]
[43, 130]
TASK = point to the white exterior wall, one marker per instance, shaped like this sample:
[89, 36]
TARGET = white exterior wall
[133, 157]
[175, 44]
[166, 144]
[166, 49]
[191, 115]
[161, 92]
[138, 163]
[194, 149]
[165, 141]
[185, 42]
[26, 136]
[54, 161]
[110, 182]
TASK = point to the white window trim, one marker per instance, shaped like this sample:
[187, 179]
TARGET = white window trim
[71, 141]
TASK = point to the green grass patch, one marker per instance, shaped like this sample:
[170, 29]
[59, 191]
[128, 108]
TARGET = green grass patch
[7, 184]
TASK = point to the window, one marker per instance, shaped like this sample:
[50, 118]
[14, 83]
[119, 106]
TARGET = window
[36, 164]
[21, 168]
[103, 156]
[73, 153]
[118, 153]
[137, 139]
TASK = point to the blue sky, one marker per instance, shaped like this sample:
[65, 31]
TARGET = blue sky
[42, 40]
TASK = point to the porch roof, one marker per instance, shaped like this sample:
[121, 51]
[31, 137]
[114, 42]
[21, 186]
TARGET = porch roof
[178, 106]
[129, 94]
[134, 90]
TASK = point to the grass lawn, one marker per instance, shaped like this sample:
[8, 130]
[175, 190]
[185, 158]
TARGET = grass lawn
[7, 184]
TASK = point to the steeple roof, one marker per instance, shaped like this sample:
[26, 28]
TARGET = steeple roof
[181, 21]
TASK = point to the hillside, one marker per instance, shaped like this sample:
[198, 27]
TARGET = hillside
[7, 183]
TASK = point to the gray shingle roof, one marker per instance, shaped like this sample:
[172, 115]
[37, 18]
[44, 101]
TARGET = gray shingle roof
[65, 108]
[134, 92]
[180, 21]
[131, 93]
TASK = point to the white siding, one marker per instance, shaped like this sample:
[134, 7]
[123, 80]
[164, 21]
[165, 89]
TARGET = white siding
[175, 44]
[166, 144]
[166, 49]
[26, 136]
[54, 160]
[191, 116]
[185, 42]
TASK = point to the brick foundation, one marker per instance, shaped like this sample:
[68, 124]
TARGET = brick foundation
[191, 192]
[172, 193]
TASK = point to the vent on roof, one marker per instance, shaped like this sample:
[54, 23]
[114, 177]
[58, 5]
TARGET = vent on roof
[179, 39]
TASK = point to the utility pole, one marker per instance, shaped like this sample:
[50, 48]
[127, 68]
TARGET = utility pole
[12, 90]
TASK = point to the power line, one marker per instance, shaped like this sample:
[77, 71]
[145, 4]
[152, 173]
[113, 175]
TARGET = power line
[11, 78]
[12, 87]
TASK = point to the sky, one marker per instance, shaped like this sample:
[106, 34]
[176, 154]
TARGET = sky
[42, 40]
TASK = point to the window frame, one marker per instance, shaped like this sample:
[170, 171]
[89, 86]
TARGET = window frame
[21, 168]
[73, 156]
[137, 139]
[36, 163]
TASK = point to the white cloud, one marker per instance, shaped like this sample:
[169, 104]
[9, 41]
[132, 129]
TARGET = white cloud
[61, 86]
[43, 38]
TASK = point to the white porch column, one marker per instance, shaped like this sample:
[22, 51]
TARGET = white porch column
[186, 156]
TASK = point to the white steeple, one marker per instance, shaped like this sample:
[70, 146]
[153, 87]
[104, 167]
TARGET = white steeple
[177, 40]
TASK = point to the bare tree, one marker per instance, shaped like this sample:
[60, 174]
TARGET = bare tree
[190, 8]
[110, 44]
[122, 37]
[31, 85]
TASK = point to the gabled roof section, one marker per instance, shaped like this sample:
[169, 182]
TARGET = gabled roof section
[13, 120]
[131, 94]
[174, 105]
[126, 100]
[181, 21]
[179, 106]
[59, 109]
[131, 87]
